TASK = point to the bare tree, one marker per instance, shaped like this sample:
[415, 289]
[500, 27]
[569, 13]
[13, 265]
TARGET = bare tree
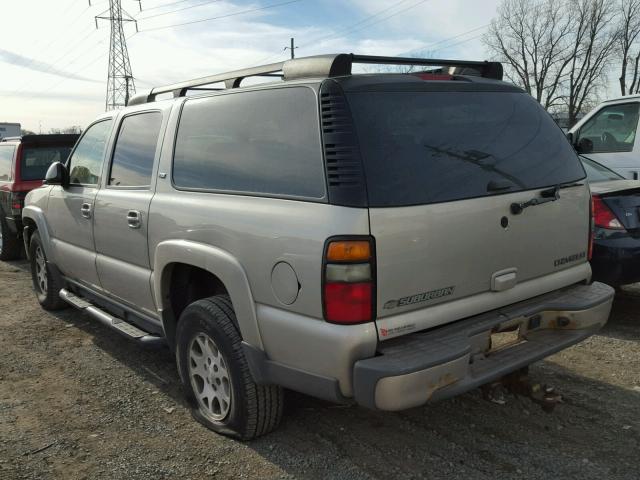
[71, 129]
[628, 35]
[557, 50]
[531, 38]
[592, 51]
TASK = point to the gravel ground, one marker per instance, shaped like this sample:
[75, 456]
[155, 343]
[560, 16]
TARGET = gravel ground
[78, 401]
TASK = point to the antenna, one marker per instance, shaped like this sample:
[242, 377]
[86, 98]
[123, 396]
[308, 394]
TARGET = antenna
[120, 83]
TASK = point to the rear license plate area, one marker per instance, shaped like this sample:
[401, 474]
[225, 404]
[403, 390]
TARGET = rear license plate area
[503, 340]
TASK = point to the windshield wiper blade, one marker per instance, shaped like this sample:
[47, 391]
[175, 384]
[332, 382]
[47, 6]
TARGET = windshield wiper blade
[549, 195]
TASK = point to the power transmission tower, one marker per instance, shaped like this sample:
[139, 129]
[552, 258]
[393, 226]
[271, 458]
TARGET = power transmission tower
[120, 82]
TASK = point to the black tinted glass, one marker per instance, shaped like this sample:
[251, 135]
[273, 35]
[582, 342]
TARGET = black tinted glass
[87, 158]
[598, 173]
[612, 129]
[36, 160]
[6, 158]
[135, 150]
[428, 147]
[254, 142]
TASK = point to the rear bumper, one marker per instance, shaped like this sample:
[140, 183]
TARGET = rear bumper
[616, 261]
[446, 361]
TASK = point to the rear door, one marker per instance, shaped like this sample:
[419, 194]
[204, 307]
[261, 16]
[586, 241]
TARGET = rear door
[443, 169]
[122, 211]
[70, 210]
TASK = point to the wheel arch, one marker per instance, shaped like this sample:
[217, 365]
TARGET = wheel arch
[32, 220]
[226, 274]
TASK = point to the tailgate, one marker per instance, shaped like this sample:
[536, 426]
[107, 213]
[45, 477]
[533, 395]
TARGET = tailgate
[443, 168]
[460, 254]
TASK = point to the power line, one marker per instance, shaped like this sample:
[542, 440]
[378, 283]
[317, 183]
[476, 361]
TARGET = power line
[359, 25]
[387, 17]
[84, 67]
[208, 2]
[55, 63]
[165, 5]
[57, 40]
[459, 43]
[433, 44]
[366, 19]
[242, 12]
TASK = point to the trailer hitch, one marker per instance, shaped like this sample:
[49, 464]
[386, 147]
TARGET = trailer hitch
[519, 383]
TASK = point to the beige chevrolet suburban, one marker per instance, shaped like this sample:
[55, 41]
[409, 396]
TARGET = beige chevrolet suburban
[355, 237]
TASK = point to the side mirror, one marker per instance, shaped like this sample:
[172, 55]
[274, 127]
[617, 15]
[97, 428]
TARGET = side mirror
[57, 175]
[571, 138]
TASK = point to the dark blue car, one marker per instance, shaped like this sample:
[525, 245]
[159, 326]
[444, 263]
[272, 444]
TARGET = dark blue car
[616, 215]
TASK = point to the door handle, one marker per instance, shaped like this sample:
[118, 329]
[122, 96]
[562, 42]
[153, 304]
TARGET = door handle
[134, 218]
[85, 210]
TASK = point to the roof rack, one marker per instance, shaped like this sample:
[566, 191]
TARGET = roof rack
[323, 66]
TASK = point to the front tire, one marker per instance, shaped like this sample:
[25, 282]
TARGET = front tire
[216, 376]
[46, 283]
[10, 248]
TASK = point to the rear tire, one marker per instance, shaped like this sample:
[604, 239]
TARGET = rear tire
[216, 376]
[46, 282]
[10, 247]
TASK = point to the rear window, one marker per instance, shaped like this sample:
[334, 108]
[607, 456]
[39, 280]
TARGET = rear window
[262, 142]
[6, 158]
[429, 147]
[36, 160]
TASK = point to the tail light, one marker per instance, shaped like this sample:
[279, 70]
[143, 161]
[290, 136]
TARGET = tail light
[16, 200]
[603, 217]
[348, 280]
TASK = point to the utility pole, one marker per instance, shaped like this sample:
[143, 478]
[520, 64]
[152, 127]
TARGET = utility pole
[292, 48]
[120, 83]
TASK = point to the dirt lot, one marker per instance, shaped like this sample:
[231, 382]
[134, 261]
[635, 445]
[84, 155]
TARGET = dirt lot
[79, 401]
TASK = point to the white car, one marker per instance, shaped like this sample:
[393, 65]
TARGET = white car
[607, 135]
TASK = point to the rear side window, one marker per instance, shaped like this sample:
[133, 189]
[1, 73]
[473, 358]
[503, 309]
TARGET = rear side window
[135, 150]
[36, 160]
[6, 159]
[430, 147]
[264, 142]
[87, 159]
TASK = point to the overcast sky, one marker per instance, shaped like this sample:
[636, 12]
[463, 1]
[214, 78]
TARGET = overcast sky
[53, 61]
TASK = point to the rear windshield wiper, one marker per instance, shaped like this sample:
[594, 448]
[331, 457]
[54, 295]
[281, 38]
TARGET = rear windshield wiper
[548, 195]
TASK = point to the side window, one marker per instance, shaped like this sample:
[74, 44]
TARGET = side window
[135, 150]
[85, 163]
[612, 129]
[6, 159]
[265, 141]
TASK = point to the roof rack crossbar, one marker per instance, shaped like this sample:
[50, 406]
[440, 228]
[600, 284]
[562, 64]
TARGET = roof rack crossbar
[323, 66]
[484, 68]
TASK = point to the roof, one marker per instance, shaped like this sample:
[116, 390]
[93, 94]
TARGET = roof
[626, 97]
[59, 138]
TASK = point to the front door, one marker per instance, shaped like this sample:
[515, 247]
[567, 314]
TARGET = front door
[122, 212]
[70, 209]
[612, 134]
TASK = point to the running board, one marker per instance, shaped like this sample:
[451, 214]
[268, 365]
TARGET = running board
[124, 328]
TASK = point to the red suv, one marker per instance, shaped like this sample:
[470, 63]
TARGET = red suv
[23, 164]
